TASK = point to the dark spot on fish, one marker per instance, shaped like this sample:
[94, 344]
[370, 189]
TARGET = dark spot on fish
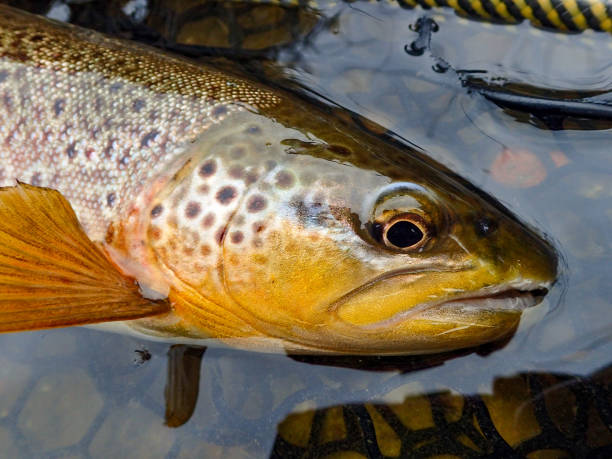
[110, 199]
[37, 38]
[148, 138]
[284, 180]
[237, 237]
[236, 172]
[208, 221]
[58, 106]
[71, 150]
[258, 227]
[138, 105]
[124, 161]
[203, 189]
[192, 210]
[485, 226]
[188, 251]
[207, 169]
[115, 87]
[157, 211]
[256, 203]
[339, 150]
[220, 235]
[218, 111]
[226, 194]
[3, 76]
[253, 130]
[205, 250]
[35, 180]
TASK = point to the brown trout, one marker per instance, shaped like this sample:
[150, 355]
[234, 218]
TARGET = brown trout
[192, 205]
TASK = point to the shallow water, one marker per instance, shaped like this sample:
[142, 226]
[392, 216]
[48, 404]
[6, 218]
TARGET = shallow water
[81, 393]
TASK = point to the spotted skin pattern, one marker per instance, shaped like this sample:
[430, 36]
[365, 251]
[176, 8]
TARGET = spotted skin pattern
[240, 191]
[100, 116]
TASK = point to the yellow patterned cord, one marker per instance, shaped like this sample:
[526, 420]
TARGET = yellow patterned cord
[562, 15]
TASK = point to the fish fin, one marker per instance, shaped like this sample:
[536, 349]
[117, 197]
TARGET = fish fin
[51, 273]
[183, 384]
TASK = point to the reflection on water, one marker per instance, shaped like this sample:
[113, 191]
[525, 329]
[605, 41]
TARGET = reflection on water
[84, 393]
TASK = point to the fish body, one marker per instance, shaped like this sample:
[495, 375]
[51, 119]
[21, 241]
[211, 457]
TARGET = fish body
[254, 217]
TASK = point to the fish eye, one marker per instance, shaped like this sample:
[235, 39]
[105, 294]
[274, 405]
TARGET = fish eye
[406, 231]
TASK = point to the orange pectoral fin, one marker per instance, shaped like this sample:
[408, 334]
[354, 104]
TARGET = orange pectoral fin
[51, 274]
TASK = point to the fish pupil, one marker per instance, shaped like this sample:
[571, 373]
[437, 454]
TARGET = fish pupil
[404, 234]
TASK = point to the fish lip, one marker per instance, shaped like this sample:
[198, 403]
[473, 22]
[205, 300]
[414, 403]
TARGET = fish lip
[513, 297]
[337, 304]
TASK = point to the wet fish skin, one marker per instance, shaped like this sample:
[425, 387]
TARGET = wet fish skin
[259, 215]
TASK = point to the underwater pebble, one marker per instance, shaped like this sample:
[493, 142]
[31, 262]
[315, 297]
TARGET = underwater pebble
[57, 343]
[198, 448]
[132, 431]
[7, 445]
[353, 81]
[590, 185]
[14, 378]
[555, 334]
[577, 239]
[59, 411]
[559, 158]
[518, 169]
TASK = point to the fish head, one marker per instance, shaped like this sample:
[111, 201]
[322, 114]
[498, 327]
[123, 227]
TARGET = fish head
[348, 244]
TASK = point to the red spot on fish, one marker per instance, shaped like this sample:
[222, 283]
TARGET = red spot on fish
[258, 227]
[208, 221]
[284, 180]
[237, 237]
[256, 203]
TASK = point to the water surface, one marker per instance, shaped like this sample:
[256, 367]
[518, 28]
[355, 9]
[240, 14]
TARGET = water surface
[84, 393]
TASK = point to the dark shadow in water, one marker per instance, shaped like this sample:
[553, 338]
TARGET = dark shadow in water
[566, 415]
[558, 414]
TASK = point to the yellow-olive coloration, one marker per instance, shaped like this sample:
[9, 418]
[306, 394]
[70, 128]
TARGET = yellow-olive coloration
[266, 221]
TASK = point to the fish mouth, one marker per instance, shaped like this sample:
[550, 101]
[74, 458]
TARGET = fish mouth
[507, 299]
